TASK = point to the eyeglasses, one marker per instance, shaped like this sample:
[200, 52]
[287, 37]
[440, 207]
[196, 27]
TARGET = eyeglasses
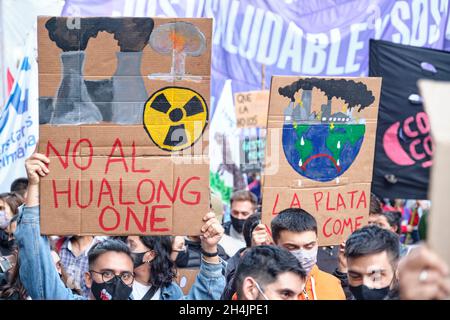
[108, 276]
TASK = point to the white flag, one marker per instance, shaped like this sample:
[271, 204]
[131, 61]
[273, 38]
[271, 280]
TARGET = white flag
[19, 121]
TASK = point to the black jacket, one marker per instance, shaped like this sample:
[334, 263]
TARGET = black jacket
[232, 265]
[226, 227]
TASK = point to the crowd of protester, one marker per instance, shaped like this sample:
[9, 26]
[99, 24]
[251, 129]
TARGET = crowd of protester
[242, 259]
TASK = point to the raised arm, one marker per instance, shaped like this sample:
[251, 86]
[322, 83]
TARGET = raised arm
[210, 281]
[37, 271]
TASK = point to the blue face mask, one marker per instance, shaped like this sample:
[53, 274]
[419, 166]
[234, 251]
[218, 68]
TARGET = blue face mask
[4, 220]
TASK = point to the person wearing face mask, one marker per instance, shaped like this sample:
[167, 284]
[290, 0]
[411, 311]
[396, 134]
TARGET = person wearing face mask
[296, 230]
[111, 265]
[243, 204]
[9, 204]
[279, 275]
[372, 257]
[154, 269]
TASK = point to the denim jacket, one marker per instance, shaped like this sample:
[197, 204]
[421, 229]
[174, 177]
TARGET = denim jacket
[41, 280]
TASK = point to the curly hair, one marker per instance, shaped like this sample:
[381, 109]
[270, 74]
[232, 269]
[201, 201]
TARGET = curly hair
[162, 268]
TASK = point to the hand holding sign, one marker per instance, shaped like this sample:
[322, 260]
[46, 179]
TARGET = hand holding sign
[212, 232]
[36, 167]
[261, 236]
[116, 170]
[178, 244]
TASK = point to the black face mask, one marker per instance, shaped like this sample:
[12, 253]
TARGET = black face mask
[112, 290]
[5, 242]
[363, 292]
[238, 224]
[137, 259]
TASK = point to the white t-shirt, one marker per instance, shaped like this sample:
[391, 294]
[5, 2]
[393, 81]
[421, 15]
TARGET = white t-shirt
[233, 242]
[139, 291]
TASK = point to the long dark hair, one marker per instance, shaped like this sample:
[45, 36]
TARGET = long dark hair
[14, 288]
[162, 268]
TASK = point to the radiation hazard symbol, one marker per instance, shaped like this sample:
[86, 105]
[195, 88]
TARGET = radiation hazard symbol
[175, 118]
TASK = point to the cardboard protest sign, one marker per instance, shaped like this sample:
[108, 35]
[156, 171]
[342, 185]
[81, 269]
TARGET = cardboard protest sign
[251, 109]
[436, 97]
[126, 105]
[320, 150]
[186, 278]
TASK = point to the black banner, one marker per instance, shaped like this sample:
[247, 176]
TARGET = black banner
[403, 152]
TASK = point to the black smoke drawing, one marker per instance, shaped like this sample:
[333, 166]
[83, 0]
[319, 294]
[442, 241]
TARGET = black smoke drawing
[353, 93]
[74, 103]
[132, 34]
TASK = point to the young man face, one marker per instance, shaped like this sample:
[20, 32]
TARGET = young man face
[4, 206]
[381, 221]
[242, 209]
[306, 240]
[106, 266]
[303, 245]
[287, 286]
[375, 271]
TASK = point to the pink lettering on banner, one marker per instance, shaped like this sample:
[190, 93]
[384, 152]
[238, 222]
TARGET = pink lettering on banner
[416, 148]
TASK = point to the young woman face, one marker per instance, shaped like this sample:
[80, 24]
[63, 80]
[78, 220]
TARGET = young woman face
[5, 207]
[136, 245]
[142, 255]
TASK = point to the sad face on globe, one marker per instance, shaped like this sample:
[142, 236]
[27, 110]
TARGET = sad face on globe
[321, 145]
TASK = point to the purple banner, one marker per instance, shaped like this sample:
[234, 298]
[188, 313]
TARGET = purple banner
[300, 37]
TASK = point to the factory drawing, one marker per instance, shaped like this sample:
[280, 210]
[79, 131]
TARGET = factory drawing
[300, 112]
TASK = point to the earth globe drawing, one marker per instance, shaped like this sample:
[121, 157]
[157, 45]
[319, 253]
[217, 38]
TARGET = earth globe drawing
[320, 145]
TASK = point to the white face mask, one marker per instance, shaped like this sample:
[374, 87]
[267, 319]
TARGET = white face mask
[307, 258]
